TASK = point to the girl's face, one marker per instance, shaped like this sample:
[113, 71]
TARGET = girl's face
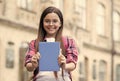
[51, 24]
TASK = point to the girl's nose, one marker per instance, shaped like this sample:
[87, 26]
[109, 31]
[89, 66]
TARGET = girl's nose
[51, 23]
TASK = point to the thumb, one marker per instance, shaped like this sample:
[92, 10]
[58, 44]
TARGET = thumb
[60, 53]
[38, 55]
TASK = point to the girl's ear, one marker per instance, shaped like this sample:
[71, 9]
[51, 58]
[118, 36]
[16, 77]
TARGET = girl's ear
[60, 25]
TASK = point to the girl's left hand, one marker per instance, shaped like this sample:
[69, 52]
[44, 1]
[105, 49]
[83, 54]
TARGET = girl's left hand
[62, 61]
[34, 60]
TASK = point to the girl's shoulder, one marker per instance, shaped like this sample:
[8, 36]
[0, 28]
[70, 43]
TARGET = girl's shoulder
[32, 43]
[67, 38]
[67, 41]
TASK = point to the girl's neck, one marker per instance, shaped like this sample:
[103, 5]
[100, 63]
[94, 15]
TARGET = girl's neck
[50, 36]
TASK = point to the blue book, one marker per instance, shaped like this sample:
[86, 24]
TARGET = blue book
[49, 56]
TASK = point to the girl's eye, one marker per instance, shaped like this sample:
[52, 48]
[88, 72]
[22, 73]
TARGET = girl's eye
[55, 21]
[47, 21]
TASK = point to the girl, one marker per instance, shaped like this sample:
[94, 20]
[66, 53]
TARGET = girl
[51, 26]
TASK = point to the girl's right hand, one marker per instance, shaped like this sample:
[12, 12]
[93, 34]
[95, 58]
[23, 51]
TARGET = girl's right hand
[34, 60]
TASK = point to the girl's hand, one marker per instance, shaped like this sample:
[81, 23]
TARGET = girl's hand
[62, 61]
[35, 58]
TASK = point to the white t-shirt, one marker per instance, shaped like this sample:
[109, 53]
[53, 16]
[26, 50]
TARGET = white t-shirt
[49, 76]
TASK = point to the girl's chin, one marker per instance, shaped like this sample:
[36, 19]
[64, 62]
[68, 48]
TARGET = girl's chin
[51, 33]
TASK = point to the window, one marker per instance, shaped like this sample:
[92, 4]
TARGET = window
[86, 69]
[84, 74]
[80, 8]
[25, 4]
[29, 5]
[22, 70]
[1, 7]
[94, 70]
[82, 71]
[81, 68]
[118, 73]
[10, 55]
[116, 26]
[58, 4]
[0, 1]
[26, 11]
[102, 70]
[44, 0]
[100, 19]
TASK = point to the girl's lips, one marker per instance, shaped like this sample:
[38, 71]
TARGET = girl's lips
[51, 29]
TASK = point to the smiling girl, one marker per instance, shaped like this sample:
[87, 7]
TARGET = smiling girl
[51, 26]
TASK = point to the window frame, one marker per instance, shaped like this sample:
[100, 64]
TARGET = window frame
[81, 9]
[10, 58]
[117, 73]
[100, 19]
[25, 4]
[102, 70]
[116, 26]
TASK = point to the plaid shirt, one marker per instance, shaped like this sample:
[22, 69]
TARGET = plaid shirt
[70, 48]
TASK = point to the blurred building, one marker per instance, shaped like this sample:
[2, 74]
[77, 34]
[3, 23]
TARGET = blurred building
[94, 24]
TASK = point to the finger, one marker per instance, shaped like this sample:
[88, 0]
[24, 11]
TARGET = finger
[38, 55]
[34, 60]
[60, 50]
[62, 63]
[60, 55]
[35, 64]
[61, 60]
[34, 57]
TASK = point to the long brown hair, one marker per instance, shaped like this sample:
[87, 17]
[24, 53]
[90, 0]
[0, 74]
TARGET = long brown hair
[42, 32]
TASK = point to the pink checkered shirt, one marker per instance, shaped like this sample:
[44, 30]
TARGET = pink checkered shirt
[71, 51]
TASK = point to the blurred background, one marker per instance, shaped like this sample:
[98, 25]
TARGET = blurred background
[94, 24]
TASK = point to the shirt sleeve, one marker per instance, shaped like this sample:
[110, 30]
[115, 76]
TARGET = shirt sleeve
[72, 52]
[30, 52]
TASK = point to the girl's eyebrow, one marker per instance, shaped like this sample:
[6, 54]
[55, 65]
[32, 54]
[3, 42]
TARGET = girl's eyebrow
[50, 19]
[47, 19]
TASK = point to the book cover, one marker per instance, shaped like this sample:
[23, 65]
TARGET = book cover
[49, 54]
